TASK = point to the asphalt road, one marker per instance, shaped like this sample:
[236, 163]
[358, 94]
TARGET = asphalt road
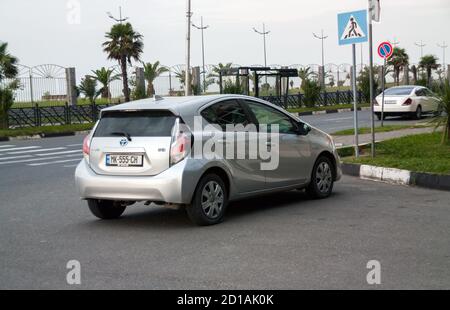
[338, 121]
[283, 241]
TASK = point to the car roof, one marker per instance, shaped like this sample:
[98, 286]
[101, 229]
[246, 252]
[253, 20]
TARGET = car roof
[178, 105]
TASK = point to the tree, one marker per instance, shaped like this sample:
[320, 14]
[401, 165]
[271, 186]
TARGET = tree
[304, 74]
[429, 63]
[398, 61]
[444, 120]
[88, 87]
[105, 77]
[123, 44]
[8, 70]
[364, 83]
[224, 68]
[151, 72]
[312, 92]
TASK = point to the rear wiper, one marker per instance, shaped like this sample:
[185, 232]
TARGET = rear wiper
[122, 133]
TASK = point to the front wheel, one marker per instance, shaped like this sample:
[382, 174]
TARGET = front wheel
[106, 209]
[209, 202]
[321, 184]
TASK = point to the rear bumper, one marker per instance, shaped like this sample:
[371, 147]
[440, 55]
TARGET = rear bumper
[396, 109]
[164, 187]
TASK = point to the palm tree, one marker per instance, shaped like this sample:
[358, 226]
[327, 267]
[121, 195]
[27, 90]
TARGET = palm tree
[224, 68]
[8, 63]
[398, 61]
[151, 72]
[124, 44]
[444, 120]
[304, 74]
[429, 62]
[105, 77]
[88, 87]
[8, 70]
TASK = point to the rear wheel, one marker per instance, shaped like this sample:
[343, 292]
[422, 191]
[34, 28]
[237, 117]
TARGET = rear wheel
[106, 209]
[418, 113]
[209, 202]
[321, 184]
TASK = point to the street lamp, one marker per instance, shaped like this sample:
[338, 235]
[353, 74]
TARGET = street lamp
[321, 37]
[120, 19]
[202, 28]
[263, 33]
[188, 49]
[443, 46]
[421, 45]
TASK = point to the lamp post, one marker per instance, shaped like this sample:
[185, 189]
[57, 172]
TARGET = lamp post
[321, 37]
[202, 28]
[444, 47]
[120, 19]
[263, 33]
[188, 49]
[421, 45]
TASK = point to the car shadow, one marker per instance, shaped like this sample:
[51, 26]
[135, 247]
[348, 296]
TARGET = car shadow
[159, 217]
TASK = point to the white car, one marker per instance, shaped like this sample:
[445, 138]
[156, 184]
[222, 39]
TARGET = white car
[407, 101]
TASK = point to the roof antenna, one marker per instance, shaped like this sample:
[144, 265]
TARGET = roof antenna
[157, 98]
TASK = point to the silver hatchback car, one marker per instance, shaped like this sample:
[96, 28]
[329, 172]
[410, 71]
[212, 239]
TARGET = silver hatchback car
[153, 151]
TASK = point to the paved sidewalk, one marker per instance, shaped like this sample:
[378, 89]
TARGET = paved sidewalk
[343, 141]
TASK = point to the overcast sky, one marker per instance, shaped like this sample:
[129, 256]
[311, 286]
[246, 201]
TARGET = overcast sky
[47, 31]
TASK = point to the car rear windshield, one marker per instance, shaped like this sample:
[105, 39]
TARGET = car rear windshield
[401, 91]
[136, 124]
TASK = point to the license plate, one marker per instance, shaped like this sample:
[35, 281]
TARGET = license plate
[124, 160]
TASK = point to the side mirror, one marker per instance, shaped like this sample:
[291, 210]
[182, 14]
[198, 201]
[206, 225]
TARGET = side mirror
[303, 129]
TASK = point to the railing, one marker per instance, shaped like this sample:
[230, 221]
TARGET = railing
[53, 115]
[86, 113]
[324, 99]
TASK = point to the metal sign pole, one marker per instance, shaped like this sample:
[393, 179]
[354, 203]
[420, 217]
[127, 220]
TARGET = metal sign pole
[371, 83]
[355, 101]
[383, 85]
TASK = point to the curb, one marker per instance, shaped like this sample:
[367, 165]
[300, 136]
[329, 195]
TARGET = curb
[398, 176]
[332, 111]
[43, 136]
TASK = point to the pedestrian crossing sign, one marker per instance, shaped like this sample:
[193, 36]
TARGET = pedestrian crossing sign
[352, 27]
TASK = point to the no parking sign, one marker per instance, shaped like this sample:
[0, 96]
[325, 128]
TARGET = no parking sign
[385, 50]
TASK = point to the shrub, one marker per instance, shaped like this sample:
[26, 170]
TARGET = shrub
[311, 91]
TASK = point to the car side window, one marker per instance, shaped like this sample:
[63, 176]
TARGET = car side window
[420, 93]
[226, 112]
[269, 116]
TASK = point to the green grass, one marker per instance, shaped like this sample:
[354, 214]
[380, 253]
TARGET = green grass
[328, 107]
[419, 153]
[385, 128]
[31, 131]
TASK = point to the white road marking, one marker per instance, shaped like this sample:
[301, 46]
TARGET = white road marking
[70, 166]
[55, 162]
[15, 157]
[2, 146]
[36, 159]
[38, 150]
[21, 148]
[73, 145]
[60, 153]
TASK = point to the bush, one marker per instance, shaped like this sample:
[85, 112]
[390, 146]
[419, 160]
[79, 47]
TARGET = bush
[364, 84]
[6, 101]
[311, 91]
[231, 87]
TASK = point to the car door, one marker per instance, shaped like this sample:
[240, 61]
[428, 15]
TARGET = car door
[246, 171]
[293, 150]
[421, 99]
[433, 101]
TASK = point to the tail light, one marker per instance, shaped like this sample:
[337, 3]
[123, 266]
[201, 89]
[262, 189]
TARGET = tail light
[407, 102]
[181, 144]
[87, 147]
